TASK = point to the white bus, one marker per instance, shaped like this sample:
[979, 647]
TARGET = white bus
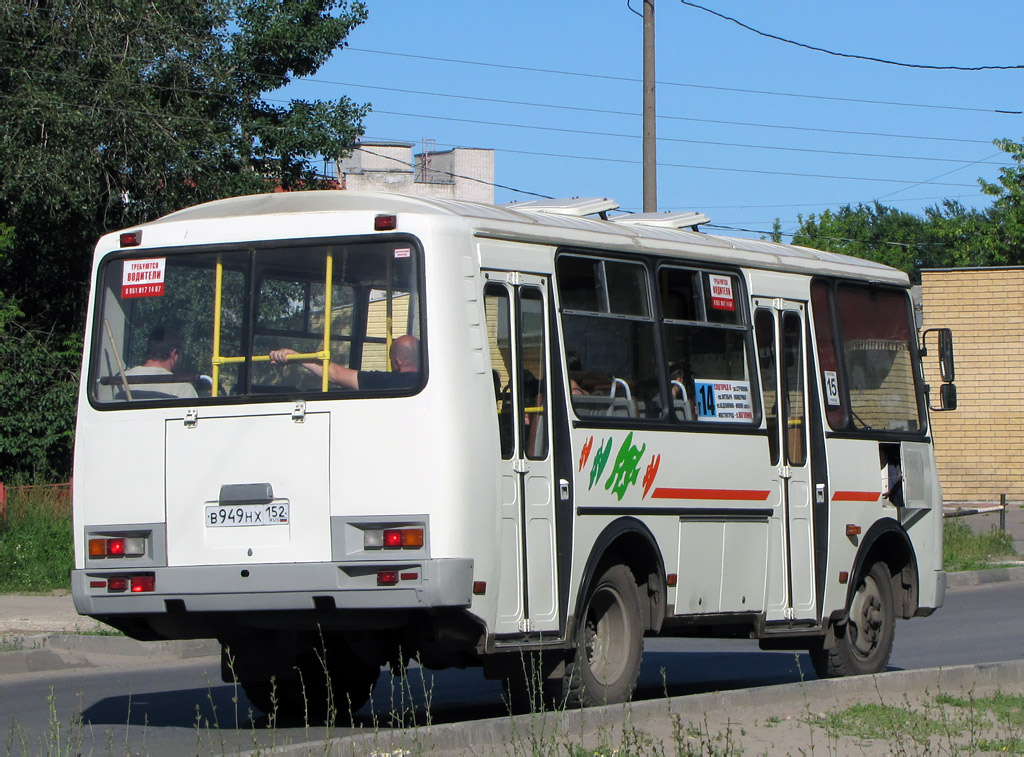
[609, 427]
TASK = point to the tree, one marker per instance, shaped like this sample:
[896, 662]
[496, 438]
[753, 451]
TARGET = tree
[873, 232]
[1007, 212]
[114, 112]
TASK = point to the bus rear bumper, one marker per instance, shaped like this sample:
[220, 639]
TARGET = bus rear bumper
[425, 584]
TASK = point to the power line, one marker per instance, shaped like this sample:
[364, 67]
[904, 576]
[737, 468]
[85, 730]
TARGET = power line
[604, 111]
[618, 135]
[947, 173]
[851, 55]
[608, 77]
[666, 165]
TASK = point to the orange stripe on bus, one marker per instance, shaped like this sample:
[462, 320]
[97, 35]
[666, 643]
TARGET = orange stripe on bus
[856, 496]
[749, 495]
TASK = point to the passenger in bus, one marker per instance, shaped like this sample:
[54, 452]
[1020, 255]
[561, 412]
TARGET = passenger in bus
[164, 353]
[404, 374]
[574, 365]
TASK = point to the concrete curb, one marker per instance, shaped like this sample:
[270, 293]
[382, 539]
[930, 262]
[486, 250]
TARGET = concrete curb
[497, 733]
[41, 653]
[982, 577]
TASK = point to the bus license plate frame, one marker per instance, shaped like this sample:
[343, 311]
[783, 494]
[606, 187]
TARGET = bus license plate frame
[247, 516]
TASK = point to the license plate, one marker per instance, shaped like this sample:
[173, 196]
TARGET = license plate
[247, 515]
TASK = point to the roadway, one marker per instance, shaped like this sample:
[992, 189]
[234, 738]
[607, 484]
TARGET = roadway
[175, 708]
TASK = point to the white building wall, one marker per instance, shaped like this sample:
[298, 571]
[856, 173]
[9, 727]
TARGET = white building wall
[462, 173]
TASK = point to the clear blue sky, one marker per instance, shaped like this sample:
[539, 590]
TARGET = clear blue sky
[743, 158]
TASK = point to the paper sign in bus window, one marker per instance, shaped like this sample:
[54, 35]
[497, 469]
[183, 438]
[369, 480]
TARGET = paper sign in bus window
[143, 278]
[721, 292]
[723, 401]
[831, 387]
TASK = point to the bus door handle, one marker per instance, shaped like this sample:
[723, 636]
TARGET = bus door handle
[520, 466]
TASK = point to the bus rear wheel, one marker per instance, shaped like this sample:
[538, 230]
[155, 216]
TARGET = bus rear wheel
[609, 642]
[314, 693]
[864, 641]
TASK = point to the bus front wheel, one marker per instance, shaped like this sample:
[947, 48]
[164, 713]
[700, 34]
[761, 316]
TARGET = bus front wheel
[864, 641]
[609, 642]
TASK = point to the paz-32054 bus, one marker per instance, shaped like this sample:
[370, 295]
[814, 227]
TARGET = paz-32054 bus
[610, 427]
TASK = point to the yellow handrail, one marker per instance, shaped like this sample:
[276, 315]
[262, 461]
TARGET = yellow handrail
[215, 371]
[323, 355]
[328, 287]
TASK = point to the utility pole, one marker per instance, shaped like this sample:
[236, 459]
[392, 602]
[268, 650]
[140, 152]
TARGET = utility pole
[650, 157]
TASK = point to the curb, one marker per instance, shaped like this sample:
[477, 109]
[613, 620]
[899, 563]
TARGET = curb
[41, 653]
[983, 577]
[475, 736]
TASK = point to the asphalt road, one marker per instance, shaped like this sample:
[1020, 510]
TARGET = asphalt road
[136, 708]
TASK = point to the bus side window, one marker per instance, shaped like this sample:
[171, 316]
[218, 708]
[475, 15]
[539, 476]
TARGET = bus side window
[499, 341]
[609, 333]
[764, 337]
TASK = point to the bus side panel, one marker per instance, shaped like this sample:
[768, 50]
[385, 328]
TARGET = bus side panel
[855, 498]
[923, 519]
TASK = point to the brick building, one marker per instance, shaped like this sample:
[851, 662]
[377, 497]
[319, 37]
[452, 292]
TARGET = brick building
[979, 447]
[463, 173]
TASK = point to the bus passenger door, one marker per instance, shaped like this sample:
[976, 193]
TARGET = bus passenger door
[517, 325]
[780, 329]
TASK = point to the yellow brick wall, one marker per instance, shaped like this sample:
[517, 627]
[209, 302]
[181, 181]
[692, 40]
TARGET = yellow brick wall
[979, 447]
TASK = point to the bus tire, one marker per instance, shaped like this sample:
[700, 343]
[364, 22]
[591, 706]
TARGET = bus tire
[306, 698]
[609, 642]
[864, 641]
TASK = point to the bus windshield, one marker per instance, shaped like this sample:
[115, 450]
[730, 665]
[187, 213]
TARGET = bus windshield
[201, 325]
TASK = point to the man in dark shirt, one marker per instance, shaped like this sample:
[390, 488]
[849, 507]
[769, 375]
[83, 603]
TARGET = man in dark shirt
[404, 374]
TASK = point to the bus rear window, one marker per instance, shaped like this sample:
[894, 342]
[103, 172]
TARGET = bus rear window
[188, 326]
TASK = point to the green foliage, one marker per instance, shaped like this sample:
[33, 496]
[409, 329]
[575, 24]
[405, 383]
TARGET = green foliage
[947, 236]
[36, 547]
[963, 549]
[880, 721]
[873, 232]
[38, 393]
[114, 112]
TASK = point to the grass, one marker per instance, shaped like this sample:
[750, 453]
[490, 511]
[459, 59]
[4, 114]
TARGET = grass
[36, 545]
[963, 549]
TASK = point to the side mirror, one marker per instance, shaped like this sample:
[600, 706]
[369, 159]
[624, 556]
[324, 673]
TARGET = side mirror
[947, 369]
[947, 396]
[946, 366]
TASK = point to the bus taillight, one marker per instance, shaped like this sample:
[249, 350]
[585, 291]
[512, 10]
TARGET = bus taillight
[393, 538]
[117, 547]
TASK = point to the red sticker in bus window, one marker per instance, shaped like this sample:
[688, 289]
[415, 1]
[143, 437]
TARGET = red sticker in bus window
[143, 278]
[721, 292]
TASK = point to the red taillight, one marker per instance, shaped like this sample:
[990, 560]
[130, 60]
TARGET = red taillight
[115, 547]
[131, 239]
[117, 583]
[387, 577]
[97, 584]
[143, 583]
[392, 538]
[385, 223]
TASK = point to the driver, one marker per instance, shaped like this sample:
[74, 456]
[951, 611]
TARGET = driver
[164, 353]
